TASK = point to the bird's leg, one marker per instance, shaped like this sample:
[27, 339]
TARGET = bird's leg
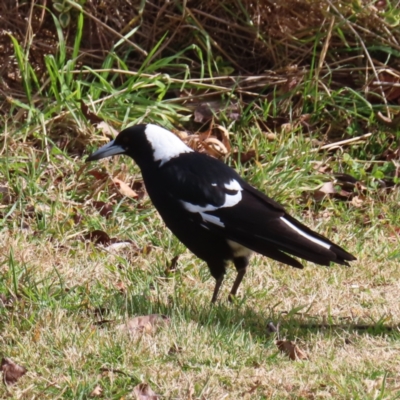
[237, 283]
[218, 283]
[241, 266]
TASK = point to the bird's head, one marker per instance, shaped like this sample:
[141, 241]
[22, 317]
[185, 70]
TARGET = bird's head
[145, 143]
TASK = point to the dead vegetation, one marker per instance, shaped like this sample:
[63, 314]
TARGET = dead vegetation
[302, 96]
[253, 44]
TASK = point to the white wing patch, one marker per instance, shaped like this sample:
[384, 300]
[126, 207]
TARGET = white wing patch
[212, 218]
[164, 143]
[233, 185]
[306, 235]
[198, 209]
[230, 201]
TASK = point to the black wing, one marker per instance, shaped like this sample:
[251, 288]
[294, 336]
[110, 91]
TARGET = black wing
[254, 223]
[222, 202]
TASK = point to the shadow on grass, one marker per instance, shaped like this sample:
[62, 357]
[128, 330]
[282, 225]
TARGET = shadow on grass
[225, 315]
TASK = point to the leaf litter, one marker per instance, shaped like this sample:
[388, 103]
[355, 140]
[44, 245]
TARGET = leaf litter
[288, 347]
[144, 392]
[144, 324]
[12, 372]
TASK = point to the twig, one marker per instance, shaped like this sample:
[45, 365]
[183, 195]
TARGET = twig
[343, 142]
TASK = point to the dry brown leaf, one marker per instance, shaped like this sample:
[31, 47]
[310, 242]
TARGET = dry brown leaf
[89, 114]
[139, 188]
[12, 372]
[107, 129]
[204, 142]
[224, 137]
[171, 267]
[326, 189]
[288, 127]
[99, 175]
[143, 324]
[254, 387]
[181, 135]
[97, 391]
[291, 349]
[114, 247]
[244, 157]
[144, 392]
[125, 189]
[357, 201]
[271, 136]
[121, 287]
[175, 350]
[98, 237]
[103, 208]
[215, 147]
[203, 113]
[37, 334]
[5, 195]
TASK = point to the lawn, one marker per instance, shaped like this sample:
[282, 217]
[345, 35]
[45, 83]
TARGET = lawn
[83, 253]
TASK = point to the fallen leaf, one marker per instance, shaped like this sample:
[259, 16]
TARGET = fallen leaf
[12, 372]
[145, 323]
[271, 136]
[144, 392]
[107, 129]
[121, 287]
[183, 135]
[98, 237]
[204, 142]
[138, 187]
[174, 350]
[103, 208]
[291, 349]
[99, 175]
[244, 157]
[114, 247]
[357, 201]
[5, 195]
[215, 147]
[37, 334]
[224, 137]
[254, 387]
[90, 115]
[171, 267]
[326, 189]
[97, 391]
[287, 128]
[203, 113]
[125, 189]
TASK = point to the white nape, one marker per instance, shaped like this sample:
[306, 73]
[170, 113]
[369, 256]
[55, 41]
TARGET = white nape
[306, 235]
[165, 144]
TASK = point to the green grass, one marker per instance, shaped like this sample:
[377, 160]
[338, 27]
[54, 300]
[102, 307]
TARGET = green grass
[64, 294]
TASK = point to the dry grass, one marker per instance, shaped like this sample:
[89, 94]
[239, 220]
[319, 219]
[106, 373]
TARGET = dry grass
[286, 80]
[205, 352]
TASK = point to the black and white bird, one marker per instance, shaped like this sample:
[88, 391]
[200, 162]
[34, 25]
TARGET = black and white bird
[213, 211]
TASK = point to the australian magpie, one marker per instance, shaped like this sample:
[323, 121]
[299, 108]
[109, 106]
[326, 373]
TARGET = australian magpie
[212, 210]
